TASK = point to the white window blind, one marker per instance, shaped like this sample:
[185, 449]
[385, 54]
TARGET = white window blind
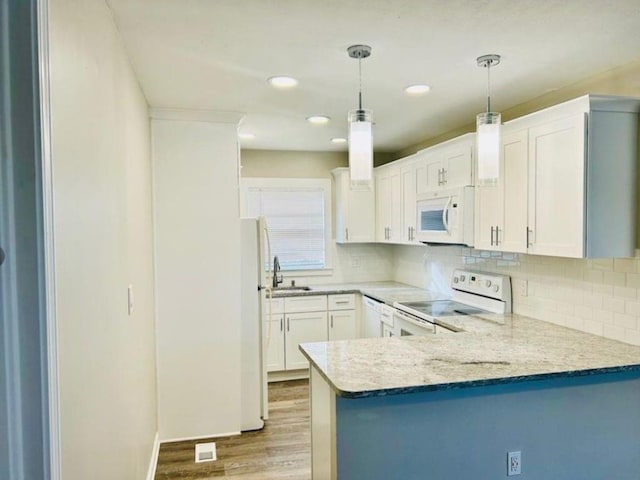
[296, 220]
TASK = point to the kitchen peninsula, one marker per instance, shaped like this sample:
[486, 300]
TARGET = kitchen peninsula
[452, 406]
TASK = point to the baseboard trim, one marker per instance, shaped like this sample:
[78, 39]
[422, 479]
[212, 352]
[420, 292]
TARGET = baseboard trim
[200, 437]
[153, 463]
[285, 375]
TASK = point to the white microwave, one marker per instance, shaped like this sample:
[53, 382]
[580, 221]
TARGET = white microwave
[446, 216]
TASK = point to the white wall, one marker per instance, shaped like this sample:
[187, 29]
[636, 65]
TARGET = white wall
[599, 296]
[104, 242]
[197, 232]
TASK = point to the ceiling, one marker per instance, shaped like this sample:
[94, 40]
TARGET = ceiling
[218, 54]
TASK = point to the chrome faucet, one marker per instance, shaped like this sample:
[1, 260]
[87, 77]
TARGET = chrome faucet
[276, 268]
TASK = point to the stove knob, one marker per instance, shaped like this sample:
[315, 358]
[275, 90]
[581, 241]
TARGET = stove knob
[496, 288]
[462, 277]
[455, 280]
[488, 283]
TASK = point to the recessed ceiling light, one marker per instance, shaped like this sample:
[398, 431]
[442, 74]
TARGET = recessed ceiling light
[247, 136]
[318, 119]
[283, 81]
[339, 140]
[417, 89]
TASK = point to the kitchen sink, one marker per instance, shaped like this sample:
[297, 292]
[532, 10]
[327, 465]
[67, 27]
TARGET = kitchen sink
[290, 289]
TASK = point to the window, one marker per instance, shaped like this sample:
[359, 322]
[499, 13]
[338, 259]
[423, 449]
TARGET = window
[298, 217]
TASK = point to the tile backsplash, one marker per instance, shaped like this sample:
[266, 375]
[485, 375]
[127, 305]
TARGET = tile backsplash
[598, 296]
[351, 263]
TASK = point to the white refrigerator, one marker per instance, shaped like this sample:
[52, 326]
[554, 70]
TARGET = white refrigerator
[254, 284]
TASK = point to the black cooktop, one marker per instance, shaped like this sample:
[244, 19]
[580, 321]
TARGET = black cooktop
[443, 308]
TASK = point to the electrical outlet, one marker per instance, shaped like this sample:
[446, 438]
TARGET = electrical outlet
[524, 288]
[514, 463]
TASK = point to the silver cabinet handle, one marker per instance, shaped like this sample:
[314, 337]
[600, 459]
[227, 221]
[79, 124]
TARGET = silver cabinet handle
[331, 321]
[281, 324]
[497, 235]
[440, 176]
[288, 325]
[529, 233]
[444, 176]
[492, 228]
[342, 302]
[346, 232]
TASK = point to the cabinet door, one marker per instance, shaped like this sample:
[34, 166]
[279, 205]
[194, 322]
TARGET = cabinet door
[395, 206]
[361, 216]
[387, 331]
[488, 215]
[556, 187]
[512, 234]
[355, 210]
[383, 198]
[458, 166]
[342, 325]
[409, 206]
[434, 175]
[274, 338]
[302, 328]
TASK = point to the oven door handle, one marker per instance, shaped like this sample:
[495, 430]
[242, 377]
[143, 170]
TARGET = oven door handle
[445, 215]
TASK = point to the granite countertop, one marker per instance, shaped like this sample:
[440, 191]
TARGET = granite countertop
[492, 349]
[386, 292]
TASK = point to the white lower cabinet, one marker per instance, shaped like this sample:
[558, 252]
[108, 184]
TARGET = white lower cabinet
[342, 317]
[342, 325]
[387, 331]
[304, 319]
[274, 335]
[302, 328]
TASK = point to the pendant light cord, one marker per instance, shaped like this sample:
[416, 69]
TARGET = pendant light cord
[488, 87]
[360, 83]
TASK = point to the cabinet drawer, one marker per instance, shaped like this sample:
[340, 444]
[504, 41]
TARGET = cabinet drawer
[277, 306]
[342, 302]
[315, 303]
[386, 315]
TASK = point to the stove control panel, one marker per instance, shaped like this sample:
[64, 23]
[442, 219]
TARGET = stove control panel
[486, 284]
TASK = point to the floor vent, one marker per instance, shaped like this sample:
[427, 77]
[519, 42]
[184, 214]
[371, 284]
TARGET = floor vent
[205, 452]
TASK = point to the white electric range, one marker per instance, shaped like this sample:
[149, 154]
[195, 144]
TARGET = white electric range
[473, 293]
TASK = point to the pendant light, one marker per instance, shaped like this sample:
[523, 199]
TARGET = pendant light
[488, 132]
[360, 132]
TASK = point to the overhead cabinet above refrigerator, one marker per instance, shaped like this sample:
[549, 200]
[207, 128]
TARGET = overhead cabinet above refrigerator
[568, 182]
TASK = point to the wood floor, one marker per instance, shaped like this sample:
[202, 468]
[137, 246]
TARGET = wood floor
[281, 450]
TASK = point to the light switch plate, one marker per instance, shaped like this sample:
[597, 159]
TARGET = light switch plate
[130, 299]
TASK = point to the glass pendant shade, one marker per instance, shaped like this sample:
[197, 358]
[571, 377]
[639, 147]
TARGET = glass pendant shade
[488, 147]
[360, 148]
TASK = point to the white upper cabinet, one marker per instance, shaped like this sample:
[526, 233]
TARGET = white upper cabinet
[355, 210]
[500, 214]
[388, 204]
[511, 235]
[408, 202]
[447, 165]
[568, 182]
[556, 187]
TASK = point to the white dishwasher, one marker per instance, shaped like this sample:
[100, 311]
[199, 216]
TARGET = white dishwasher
[372, 325]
